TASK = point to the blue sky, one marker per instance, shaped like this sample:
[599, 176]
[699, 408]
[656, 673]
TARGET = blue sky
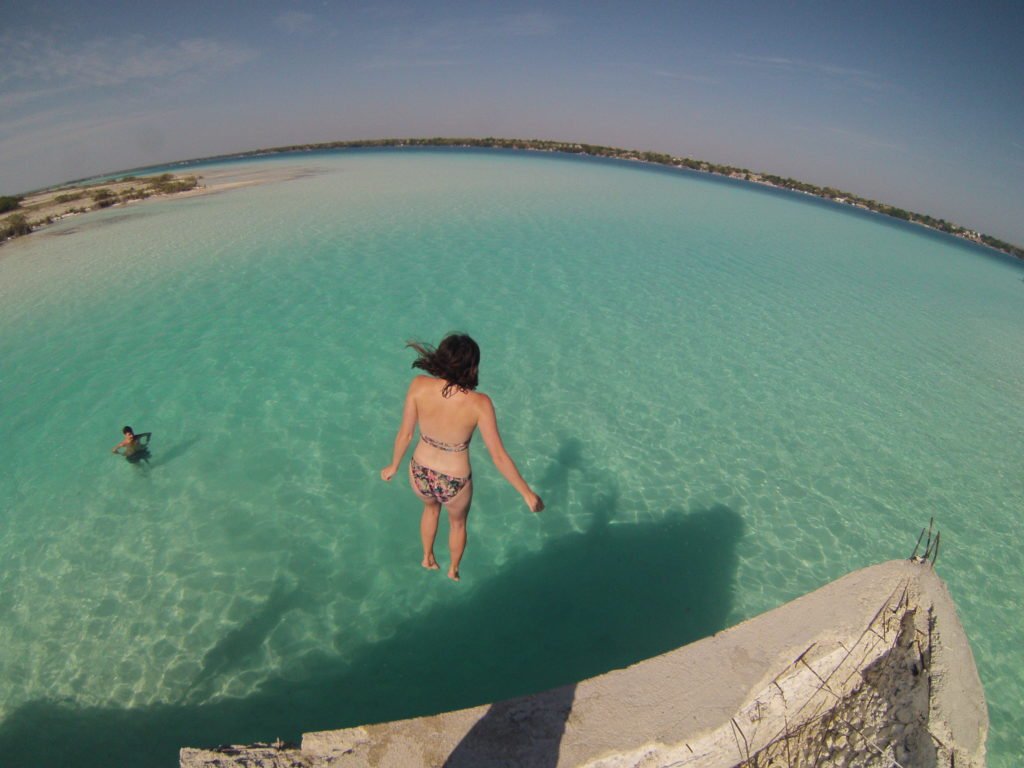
[917, 104]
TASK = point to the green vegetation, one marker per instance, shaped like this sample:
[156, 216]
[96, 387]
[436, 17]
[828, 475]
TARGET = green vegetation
[166, 184]
[103, 197]
[9, 204]
[135, 194]
[14, 226]
[93, 198]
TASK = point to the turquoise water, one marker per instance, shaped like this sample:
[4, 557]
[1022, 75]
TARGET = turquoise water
[727, 397]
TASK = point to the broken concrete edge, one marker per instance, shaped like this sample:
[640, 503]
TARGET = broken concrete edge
[774, 682]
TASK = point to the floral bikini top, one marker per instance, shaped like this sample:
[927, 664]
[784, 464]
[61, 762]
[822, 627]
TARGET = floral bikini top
[450, 447]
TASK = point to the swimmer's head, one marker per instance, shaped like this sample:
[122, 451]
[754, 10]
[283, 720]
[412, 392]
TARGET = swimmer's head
[456, 360]
[461, 352]
[128, 431]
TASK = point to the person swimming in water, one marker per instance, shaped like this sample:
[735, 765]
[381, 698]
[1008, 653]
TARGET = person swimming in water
[448, 411]
[135, 450]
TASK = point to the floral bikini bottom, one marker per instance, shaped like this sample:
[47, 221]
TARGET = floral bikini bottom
[432, 485]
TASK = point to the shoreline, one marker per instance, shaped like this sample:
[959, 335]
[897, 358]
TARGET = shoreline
[40, 210]
[771, 181]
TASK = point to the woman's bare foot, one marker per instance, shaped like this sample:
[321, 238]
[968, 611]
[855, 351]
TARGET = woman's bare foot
[453, 574]
[430, 563]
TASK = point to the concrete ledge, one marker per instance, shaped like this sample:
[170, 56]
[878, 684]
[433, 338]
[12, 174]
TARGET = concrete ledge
[870, 669]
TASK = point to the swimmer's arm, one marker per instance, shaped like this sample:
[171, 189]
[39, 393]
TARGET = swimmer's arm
[404, 436]
[120, 445]
[488, 425]
[146, 435]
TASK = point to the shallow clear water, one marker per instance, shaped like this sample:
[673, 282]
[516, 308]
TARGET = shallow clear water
[727, 397]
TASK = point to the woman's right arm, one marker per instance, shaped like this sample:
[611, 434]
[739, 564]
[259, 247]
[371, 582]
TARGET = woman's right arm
[488, 425]
[404, 436]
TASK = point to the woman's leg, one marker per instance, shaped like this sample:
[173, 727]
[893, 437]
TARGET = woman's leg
[428, 531]
[458, 512]
[428, 520]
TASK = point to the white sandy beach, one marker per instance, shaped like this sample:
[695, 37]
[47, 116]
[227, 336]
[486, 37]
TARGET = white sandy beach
[50, 206]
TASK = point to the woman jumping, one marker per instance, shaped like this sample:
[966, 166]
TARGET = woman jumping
[447, 410]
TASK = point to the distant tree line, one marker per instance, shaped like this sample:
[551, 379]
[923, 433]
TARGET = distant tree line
[167, 183]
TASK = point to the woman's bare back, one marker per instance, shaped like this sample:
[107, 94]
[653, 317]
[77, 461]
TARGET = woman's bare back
[449, 420]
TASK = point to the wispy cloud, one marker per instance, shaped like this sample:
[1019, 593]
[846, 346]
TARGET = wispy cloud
[530, 24]
[444, 42]
[463, 32]
[847, 75]
[10, 100]
[296, 22]
[30, 123]
[865, 139]
[1019, 151]
[381, 61]
[35, 59]
[684, 76]
[847, 135]
[53, 129]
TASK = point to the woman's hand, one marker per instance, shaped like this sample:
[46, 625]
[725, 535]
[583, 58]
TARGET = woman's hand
[388, 472]
[534, 502]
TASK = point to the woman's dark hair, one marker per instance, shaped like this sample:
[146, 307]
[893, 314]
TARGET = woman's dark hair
[127, 431]
[455, 360]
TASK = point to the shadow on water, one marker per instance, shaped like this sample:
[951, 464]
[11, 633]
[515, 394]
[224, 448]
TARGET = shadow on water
[176, 450]
[144, 458]
[242, 643]
[586, 603]
[140, 458]
[556, 481]
[91, 223]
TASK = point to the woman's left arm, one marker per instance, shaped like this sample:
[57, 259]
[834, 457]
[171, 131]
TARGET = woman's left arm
[404, 436]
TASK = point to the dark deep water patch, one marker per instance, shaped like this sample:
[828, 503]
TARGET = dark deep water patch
[665, 584]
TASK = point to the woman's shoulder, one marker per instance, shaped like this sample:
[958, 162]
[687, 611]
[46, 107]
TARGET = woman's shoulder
[480, 400]
[425, 386]
[421, 381]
